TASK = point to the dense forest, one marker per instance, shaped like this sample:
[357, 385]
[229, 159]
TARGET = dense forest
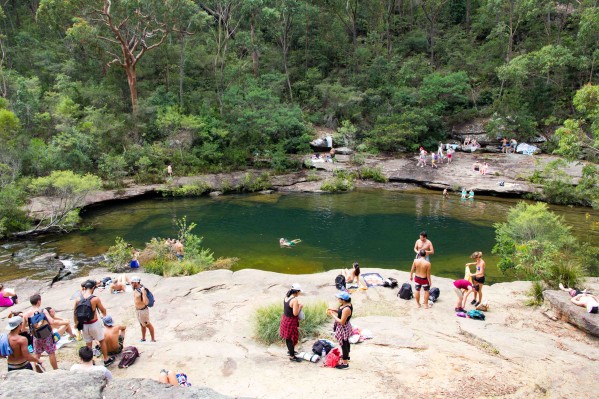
[124, 87]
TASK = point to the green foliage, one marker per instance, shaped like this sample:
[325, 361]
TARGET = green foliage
[196, 189]
[376, 174]
[267, 319]
[536, 244]
[252, 183]
[342, 181]
[536, 294]
[118, 256]
[12, 217]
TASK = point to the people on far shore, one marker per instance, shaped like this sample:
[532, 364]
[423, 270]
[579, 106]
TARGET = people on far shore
[464, 193]
[504, 145]
[445, 193]
[484, 168]
[450, 152]
[289, 325]
[421, 275]
[476, 166]
[471, 194]
[422, 158]
[434, 159]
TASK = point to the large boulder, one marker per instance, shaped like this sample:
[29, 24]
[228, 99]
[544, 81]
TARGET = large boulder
[560, 303]
[61, 384]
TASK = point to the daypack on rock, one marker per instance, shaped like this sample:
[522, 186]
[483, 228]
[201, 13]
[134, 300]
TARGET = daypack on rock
[332, 358]
[340, 282]
[149, 295]
[390, 282]
[434, 294]
[5, 349]
[405, 292]
[39, 326]
[129, 355]
[84, 310]
[321, 345]
[476, 314]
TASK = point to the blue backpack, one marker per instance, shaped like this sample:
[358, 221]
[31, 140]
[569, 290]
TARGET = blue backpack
[150, 298]
[476, 314]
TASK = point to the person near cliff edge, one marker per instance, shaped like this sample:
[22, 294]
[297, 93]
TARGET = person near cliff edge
[141, 301]
[289, 326]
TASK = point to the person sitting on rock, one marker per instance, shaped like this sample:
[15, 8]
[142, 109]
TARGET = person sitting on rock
[119, 284]
[476, 166]
[587, 301]
[86, 355]
[352, 276]
[8, 297]
[172, 378]
[114, 336]
[59, 324]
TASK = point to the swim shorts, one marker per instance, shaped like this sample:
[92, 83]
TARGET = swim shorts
[479, 279]
[421, 282]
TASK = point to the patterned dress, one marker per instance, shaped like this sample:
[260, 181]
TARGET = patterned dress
[289, 327]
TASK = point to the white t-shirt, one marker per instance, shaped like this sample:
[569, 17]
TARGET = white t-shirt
[86, 368]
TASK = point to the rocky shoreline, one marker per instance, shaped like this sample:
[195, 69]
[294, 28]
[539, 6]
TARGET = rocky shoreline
[403, 174]
[204, 327]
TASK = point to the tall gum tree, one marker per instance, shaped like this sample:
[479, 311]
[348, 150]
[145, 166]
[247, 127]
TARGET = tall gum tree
[125, 30]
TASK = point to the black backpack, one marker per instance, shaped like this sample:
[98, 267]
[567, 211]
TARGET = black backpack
[321, 345]
[390, 282]
[405, 292]
[434, 294]
[340, 282]
[84, 311]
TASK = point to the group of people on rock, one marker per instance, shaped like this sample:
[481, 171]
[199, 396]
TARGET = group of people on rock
[38, 329]
[436, 157]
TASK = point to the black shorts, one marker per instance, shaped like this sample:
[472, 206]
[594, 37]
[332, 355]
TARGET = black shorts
[479, 279]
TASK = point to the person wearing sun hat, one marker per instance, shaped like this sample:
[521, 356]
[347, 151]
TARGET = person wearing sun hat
[342, 327]
[289, 326]
[20, 358]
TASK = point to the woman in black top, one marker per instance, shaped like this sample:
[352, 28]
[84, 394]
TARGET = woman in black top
[289, 327]
[343, 328]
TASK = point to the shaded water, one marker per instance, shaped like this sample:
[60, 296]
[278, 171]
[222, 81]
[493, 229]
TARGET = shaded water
[376, 228]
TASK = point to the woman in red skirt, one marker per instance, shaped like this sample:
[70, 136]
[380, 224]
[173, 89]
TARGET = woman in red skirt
[289, 327]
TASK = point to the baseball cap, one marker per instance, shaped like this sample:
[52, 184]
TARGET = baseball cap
[135, 279]
[14, 322]
[107, 320]
[296, 287]
[343, 295]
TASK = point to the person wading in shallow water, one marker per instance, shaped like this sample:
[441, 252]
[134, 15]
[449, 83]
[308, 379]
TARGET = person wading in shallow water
[289, 326]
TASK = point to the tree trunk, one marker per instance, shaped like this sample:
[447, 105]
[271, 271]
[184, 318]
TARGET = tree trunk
[181, 68]
[253, 40]
[510, 44]
[468, 11]
[132, 81]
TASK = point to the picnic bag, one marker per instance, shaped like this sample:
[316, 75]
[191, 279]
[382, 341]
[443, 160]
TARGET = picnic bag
[39, 326]
[84, 311]
[332, 358]
[320, 346]
[475, 314]
[129, 355]
[434, 294]
[405, 292]
[390, 282]
[340, 282]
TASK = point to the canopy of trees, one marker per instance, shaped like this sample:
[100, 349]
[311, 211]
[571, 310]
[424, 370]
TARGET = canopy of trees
[123, 87]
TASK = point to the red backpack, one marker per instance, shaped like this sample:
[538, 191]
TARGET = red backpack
[129, 355]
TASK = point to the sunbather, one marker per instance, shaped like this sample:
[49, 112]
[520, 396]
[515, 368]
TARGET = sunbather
[587, 301]
[176, 379]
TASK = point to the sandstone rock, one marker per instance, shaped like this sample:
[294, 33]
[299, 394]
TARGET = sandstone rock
[561, 304]
[44, 257]
[216, 193]
[343, 151]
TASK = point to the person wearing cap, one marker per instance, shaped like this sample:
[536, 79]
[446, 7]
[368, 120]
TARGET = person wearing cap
[141, 300]
[342, 327]
[20, 359]
[114, 335]
[41, 345]
[289, 326]
[92, 329]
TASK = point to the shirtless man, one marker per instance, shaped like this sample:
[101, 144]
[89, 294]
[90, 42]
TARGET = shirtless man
[20, 358]
[178, 248]
[141, 300]
[423, 243]
[41, 345]
[422, 268]
[114, 335]
[587, 301]
[92, 329]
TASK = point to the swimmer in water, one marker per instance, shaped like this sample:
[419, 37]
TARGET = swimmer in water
[285, 243]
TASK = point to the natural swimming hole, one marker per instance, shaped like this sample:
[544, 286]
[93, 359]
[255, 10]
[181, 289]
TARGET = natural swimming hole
[376, 228]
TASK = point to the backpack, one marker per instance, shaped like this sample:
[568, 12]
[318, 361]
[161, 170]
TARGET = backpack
[129, 355]
[5, 349]
[390, 282]
[149, 295]
[332, 358]
[39, 326]
[84, 311]
[340, 282]
[475, 314]
[320, 346]
[405, 292]
[434, 294]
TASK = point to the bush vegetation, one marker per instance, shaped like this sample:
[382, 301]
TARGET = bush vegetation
[267, 319]
[375, 174]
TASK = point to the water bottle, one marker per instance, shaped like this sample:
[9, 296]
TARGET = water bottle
[56, 337]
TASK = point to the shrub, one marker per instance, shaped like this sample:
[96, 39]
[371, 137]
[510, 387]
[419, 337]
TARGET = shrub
[12, 216]
[357, 159]
[536, 294]
[337, 184]
[313, 176]
[253, 183]
[375, 174]
[267, 319]
[117, 257]
[187, 190]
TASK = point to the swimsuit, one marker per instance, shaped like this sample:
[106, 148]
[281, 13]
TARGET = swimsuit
[421, 282]
[21, 366]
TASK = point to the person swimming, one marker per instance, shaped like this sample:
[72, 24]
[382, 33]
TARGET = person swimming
[285, 243]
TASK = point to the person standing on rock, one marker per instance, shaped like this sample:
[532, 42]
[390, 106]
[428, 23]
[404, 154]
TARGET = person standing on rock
[440, 152]
[421, 275]
[289, 326]
[342, 327]
[87, 321]
[20, 359]
[478, 279]
[449, 154]
[141, 301]
[169, 170]
[422, 158]
[423, 243]
[42, 341]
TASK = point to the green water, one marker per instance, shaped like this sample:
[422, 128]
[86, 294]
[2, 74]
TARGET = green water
[376, 228]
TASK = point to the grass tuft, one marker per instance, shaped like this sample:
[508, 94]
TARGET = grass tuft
[267, 319]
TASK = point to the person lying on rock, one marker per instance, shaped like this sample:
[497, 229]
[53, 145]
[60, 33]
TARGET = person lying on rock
[587, 301]
[172, 378]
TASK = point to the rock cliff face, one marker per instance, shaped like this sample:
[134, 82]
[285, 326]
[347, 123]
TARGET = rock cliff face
[61, 384]
[205, 328]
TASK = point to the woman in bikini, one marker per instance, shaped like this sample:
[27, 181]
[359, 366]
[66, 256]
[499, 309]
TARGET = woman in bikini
[342, 327]
[289, 327]
[478, 279]
[352, 276]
